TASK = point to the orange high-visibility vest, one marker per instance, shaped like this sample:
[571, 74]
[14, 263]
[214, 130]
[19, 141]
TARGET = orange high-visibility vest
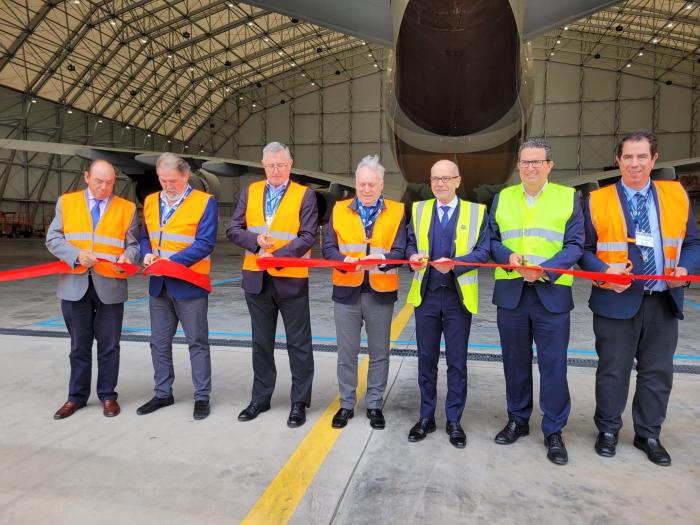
[284, 228]
[611, 228]
[352, 242]
[180, 230]
[107, 240]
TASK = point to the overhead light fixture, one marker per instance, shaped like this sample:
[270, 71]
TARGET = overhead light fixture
[375, 65]
[169, 141]
[99, 121]
[689, 6]
[566, 28]
[33, 101]
[113, 22]
[266, 39]
[369, 55]
[186, 146]
[303, 74]
[628, 65]
[294, 63]
[127, 127]
[254, 104]
[669, 25]
[313, 83]
[191, 68]
[227, 89]
[250, 24]
[230, 4]
[641, 53]
[170, 55]
[201, 151]
[70, 111]
[558, 41]
[279, 53]
[551, 54]
[76, 2]
[655, 41]
[144, 40]
[148, 135]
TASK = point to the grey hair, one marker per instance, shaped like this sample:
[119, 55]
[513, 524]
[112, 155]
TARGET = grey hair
[276, 147]
[173, 161]
[537, 144]
[371, 162]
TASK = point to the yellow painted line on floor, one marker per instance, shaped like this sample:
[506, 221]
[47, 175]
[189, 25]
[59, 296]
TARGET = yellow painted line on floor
[282, 496]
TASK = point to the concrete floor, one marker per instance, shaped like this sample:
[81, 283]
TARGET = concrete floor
[167, 468]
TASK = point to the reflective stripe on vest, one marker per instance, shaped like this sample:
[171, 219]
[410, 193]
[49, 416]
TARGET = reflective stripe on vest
[284, 228]
[611, 228]
[107, 241]
[535, 233]
[181, 229]
[469, 221]
[352, 242]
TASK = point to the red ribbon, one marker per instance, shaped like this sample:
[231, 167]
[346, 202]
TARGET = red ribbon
[40, 270]
[168, 268]
[290, 262]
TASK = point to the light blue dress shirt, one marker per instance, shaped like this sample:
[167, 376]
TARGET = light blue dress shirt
[653, 223]
[453, 206]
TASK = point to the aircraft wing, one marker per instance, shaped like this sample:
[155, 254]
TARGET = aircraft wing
[544, 15]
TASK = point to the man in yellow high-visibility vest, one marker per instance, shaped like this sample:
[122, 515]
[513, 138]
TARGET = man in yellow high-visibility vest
[445, 296]
[535, 223]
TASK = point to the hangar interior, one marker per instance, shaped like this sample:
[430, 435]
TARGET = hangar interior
[222, 79]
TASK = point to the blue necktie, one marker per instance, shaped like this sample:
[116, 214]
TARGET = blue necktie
[648, 260]
[95, 214]
[445, 217]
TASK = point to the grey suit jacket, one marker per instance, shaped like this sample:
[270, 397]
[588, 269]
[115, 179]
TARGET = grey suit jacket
[72, 287]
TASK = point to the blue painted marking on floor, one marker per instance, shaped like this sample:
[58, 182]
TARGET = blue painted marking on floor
[691, 303]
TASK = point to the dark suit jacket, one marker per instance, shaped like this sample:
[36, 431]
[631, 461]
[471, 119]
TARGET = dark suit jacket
[480, 253]
[238, 234]
[351, 294]
[203, 246]
[625, 305]
[554, 297]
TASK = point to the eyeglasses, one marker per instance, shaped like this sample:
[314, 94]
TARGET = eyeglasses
[278, 166]
[442, 180]
[532, 163]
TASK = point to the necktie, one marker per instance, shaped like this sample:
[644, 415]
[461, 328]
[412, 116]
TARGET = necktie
[445, 217]
[95, 214]
[648, 261]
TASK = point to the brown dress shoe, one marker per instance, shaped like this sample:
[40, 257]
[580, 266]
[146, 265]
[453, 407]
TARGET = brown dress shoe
[67, 410]
[110, 408]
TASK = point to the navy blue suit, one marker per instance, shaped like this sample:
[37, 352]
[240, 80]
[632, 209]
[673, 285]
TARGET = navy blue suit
[635, 324]
[537, 311]
[442, 312]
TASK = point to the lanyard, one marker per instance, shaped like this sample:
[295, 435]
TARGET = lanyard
[164, 217]
[368, 214]
[272, 201]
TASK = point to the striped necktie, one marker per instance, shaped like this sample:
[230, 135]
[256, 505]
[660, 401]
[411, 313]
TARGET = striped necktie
[648, 260]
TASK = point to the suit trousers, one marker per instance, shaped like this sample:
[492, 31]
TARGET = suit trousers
[349, 318]
[529, 321]
[264, 308]
[650, 337]
[88, 319]
[441, 311]
[192, 315]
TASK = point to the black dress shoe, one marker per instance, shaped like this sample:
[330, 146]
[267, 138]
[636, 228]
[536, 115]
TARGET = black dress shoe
[297, 415]
[251, 411]
[511, 432]
[654, 450]
[421, 430]
[556, 450]
[154, 404]
[340, 419]
[201, 409]
[457, 436]
[376, 418]
[605, 444]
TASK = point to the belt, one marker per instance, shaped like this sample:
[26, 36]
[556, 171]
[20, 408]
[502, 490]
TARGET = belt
[528, 283]
[654, 292]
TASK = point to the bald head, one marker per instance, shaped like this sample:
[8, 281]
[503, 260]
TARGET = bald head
[100, 178]
[444, 180]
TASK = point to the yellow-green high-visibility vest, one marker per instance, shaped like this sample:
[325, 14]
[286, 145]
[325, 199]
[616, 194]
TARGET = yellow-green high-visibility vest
[469, 220]
[535, 233]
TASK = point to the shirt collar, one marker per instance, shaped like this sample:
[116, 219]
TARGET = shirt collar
[165, 201]
[452, 204]
[527, 195]
[355, 204]
[632, 192]
[92, 198]
[278, 189]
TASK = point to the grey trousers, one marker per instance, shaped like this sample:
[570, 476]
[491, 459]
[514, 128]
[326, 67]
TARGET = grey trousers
[192, 315]
[348, 325]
